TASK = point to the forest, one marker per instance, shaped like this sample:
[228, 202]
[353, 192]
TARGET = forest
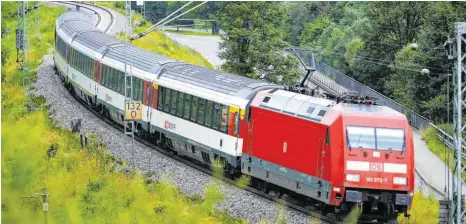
[384, 45]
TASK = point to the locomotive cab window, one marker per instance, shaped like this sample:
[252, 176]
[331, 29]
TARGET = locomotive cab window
[361, 137]
[375, 138]
[390, 139]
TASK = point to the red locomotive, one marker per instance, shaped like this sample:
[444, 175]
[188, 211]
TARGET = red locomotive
[339, 155]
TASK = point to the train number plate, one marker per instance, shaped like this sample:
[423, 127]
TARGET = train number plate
[376, 166]
[376, 180]
[133, 110]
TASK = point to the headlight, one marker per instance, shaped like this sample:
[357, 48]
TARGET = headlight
[352, 177]
[400, 180]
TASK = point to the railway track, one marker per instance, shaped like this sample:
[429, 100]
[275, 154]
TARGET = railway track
[90, 7]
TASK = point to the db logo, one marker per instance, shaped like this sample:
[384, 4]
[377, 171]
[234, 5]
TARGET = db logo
[166, 124]
[376, 166]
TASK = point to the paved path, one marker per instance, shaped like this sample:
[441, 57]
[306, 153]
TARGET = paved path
[430, 165]
[206, 45]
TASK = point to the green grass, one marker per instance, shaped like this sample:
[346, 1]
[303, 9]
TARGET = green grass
[435, 145]
[424, 210]
[85, 184]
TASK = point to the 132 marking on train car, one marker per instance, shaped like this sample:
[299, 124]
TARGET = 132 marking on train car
[133, 110]
[376, 166]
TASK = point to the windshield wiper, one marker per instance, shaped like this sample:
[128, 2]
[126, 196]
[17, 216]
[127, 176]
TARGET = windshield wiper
[347, 139]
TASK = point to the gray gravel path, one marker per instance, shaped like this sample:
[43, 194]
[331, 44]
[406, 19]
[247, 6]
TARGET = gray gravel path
[238, 203]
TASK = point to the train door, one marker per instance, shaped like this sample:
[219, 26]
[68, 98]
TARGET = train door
[320, 158]
[97, 75]
[148, 99]
[250, 132]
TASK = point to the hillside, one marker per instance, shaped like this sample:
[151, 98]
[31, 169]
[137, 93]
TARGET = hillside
[85, 185]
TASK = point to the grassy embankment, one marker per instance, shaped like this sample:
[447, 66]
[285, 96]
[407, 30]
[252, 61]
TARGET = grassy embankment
[157, 41]
[84, 184]
[436, 145]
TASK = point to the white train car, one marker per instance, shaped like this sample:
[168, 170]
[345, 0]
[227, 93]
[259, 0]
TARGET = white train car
[191, 109]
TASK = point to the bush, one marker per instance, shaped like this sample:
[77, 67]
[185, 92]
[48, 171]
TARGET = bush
[425, 210]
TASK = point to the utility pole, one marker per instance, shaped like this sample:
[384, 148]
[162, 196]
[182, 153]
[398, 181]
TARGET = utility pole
[456, 51]
[22, 43]
[37, 24]
[129, 121]
[143, 8]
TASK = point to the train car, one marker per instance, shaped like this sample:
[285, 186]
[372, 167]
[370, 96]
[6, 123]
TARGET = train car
[340, 155]
[190, 109]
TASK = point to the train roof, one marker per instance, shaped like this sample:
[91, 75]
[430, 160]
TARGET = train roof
[75, 25]
[295, 104]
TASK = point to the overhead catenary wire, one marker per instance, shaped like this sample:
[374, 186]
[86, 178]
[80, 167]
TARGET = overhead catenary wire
[371, 59]
[376, 62]
[159, 24]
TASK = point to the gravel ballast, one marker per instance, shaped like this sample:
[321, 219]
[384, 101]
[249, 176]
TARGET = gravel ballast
[237, 203]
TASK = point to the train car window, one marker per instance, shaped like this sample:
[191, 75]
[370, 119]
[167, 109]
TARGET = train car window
[166, 101]
[200, 113]
[306, 110]
[121, 83]
[141, 89]
[187, 105]
[217, 118]
[224, 123]
[194, 107]
[208, 113]
[112, 79]
[173, 103]
[179, 107]
[104, 69]
[322, 113]
[161, 96]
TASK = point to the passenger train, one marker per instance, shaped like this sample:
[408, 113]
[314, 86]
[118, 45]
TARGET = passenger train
[335, 154]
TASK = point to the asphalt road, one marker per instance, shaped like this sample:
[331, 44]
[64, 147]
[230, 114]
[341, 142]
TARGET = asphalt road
[208, 46]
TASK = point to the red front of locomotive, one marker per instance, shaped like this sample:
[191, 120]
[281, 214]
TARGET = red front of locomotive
[378, 169]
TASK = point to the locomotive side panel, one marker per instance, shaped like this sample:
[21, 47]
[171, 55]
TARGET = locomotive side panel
[287, 141]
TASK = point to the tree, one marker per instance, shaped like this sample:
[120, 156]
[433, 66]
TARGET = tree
[254, 41]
